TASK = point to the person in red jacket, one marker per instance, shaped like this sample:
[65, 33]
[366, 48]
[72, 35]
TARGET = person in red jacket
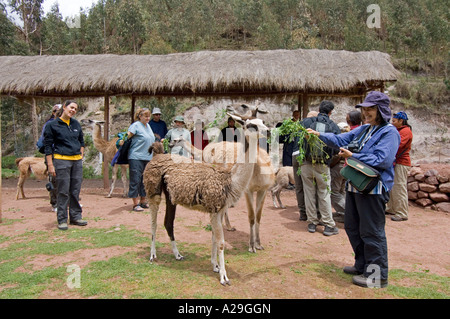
[398, 203]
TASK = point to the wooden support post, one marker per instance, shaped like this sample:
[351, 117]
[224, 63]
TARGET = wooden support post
[133, 107]
[299, 106]
[305, 105]
[106, 137]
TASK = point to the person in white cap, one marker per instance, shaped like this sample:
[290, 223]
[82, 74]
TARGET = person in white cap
[157, 125]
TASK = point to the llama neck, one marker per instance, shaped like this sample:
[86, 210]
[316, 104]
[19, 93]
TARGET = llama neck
[99, 143]
[242, 171]
[192, 150]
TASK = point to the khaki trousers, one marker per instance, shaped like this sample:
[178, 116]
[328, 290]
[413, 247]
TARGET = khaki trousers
[316, 181]
[398, 202]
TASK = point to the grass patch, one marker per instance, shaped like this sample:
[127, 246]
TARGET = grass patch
[402, 284]
[126, 276]
[418, 285]
[131, 275]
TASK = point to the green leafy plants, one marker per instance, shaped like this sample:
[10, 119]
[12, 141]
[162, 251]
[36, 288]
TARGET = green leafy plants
[292, 130]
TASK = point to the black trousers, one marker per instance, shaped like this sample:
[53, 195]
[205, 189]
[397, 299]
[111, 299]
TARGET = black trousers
[69, 176]
[365, 227]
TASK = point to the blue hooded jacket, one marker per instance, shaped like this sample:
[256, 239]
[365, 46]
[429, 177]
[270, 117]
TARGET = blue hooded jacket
[378, 152]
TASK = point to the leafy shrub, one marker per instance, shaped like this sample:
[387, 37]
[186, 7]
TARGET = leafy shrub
[8, 162]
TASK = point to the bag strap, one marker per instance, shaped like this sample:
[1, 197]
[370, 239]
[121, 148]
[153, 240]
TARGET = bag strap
[362, 135]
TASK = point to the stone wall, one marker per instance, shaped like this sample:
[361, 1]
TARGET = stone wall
[429, 189]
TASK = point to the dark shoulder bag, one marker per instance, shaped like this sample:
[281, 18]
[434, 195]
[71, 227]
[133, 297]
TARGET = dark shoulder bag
[362, 176]
[122, 158]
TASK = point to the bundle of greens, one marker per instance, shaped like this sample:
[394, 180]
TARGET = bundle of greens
[291, 130]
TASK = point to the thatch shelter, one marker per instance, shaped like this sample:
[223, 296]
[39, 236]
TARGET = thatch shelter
[206, 73]
[212, 73]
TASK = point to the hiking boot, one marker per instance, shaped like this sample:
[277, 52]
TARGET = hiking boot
[396, 218]
[63, 226]
[303, 216]
[330, 231]
[78, 222]
[312, 228]
[365, 282]
[351, 270]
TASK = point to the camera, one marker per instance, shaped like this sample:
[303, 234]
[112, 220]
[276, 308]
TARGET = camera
[49, 186]
[353, 146]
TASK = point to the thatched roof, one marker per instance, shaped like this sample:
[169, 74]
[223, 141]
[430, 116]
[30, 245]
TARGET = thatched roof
[197, 73]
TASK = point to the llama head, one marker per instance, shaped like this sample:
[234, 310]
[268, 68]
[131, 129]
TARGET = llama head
[176, 142]
[91, 123]
[245, 111]
[156, 148]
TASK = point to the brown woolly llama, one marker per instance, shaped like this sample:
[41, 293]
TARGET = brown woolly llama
[198, 186]
[262, 178]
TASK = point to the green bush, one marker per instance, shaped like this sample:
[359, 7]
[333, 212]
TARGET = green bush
[89, 172]
[8, 162]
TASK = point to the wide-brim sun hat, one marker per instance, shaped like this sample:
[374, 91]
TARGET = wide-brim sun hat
[179, 118]
[376, 98]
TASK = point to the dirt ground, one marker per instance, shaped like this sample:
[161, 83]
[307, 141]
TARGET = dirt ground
[419, 244]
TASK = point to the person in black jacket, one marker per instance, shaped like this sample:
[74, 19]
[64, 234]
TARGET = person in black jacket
[64, 149]
[230, 133]
[316, 173]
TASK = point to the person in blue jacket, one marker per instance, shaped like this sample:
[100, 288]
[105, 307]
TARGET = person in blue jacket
[375, 144]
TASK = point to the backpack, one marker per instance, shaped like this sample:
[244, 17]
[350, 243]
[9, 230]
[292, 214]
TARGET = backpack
[121, 156]
[321, 124]
[40, 144]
